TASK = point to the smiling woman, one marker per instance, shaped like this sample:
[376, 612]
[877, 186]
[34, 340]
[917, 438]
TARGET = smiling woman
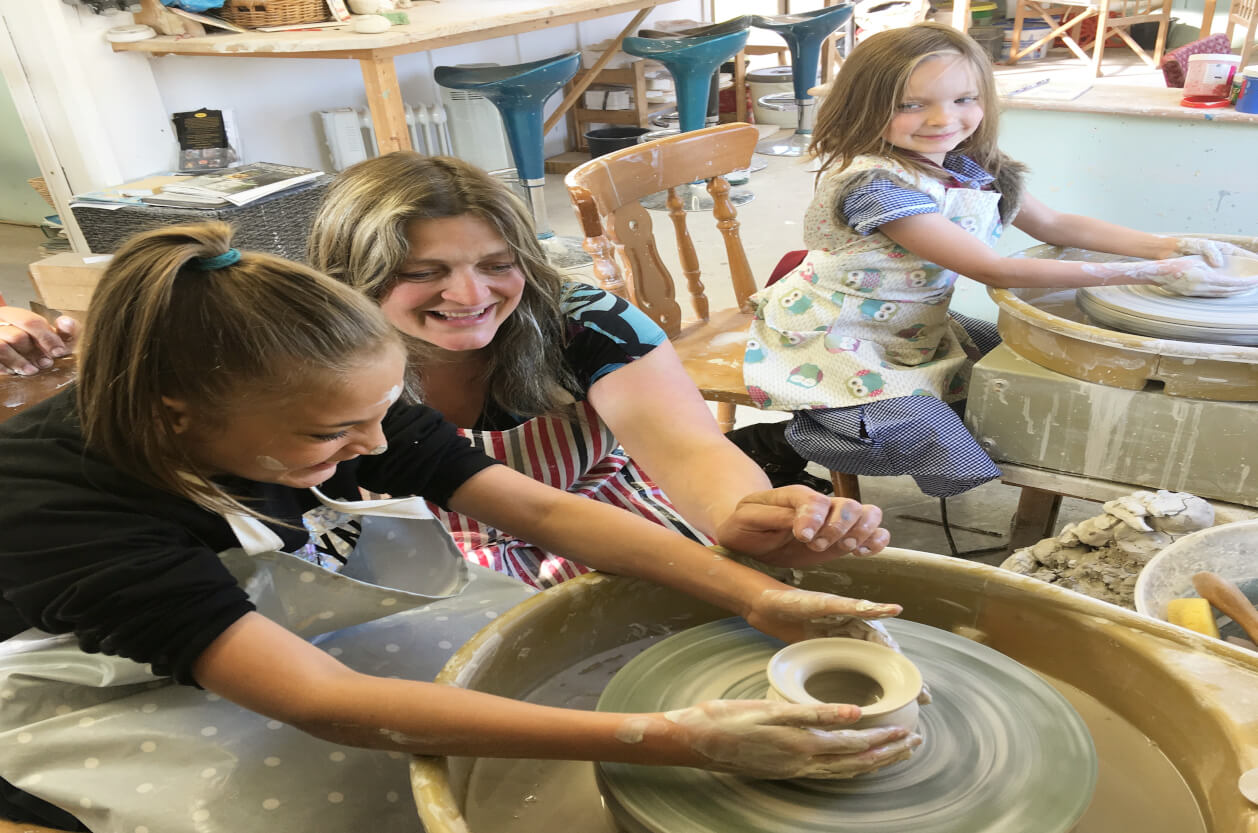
[562, 381]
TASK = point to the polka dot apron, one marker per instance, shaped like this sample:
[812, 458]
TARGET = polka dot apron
[862, 319]
[127, 752]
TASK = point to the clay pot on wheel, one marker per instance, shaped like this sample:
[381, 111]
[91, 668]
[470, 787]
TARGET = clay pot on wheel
[840, 670]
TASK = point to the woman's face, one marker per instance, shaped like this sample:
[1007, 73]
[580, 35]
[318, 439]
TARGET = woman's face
[459, 282]
[296, 439]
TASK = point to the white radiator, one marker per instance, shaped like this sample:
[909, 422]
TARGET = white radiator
[459, 127]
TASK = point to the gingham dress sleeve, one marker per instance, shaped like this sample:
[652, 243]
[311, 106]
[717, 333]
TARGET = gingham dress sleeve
[880, 200]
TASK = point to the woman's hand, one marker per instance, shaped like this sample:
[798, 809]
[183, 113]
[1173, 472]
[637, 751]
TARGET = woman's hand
[762, 739]
[794, 526]
[28, 343]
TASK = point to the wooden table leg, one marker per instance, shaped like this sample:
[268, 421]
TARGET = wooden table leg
[1036, 517]
[388, 111]
[1207, 19]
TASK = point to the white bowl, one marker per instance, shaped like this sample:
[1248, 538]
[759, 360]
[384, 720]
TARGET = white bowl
[883, 682]
[1230, 550]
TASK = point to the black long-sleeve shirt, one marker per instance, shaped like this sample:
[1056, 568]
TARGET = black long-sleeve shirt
[132, 570]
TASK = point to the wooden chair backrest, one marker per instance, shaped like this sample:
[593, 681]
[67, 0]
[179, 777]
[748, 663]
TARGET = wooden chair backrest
[605, 193]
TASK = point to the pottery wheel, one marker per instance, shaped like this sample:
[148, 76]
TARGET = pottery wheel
[1002, 750]
[1152, 311]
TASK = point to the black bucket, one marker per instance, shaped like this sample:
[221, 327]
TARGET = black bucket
[607, 139]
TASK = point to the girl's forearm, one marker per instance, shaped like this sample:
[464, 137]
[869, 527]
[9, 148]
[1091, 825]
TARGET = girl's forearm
[1100, 236]
[429, 719]
[607, 538]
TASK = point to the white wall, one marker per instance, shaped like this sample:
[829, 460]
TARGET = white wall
[275, 100]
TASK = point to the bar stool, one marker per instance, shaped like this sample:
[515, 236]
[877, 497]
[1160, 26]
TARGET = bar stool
[804, 33]
[691, 61]
[713, 117]
[519, 91]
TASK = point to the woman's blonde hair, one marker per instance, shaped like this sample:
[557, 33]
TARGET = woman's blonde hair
[871, 85]
[164, 323]
[359, 237]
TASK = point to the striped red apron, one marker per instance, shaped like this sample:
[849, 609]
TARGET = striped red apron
[579, 456]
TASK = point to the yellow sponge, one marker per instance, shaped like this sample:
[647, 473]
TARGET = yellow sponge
[1194, 614]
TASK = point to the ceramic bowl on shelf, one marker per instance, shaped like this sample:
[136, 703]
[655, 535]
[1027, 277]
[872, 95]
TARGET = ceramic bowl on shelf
[883, 682]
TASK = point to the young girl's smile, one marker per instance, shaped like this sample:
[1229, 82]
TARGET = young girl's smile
[941, 108]
[457, 285]
[296, 440]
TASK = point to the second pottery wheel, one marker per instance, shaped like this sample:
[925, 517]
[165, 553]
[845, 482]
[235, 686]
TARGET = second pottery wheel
[1152, 311]
[1002, 749]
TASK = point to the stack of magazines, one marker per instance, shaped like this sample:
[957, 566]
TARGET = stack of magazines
[235, 186]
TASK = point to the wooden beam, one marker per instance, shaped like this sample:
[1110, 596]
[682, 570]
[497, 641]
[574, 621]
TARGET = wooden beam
[579, 88]
[384, 97]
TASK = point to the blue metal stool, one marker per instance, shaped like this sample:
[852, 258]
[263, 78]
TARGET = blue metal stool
[713, 117]
[519, 91]
[804, 33]
[691, 61]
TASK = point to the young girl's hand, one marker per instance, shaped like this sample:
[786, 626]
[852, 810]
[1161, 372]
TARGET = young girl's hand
[762, 739]
[1212, 250]
[794, 526]
[1181, 275]
[805, 614]
[794, 614]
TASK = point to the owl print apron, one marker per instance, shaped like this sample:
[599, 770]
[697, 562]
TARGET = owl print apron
[862, 319]
[576, 454]
[124, 751]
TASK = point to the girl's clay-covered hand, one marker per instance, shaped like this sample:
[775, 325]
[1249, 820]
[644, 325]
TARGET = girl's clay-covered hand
[1190, 275]
[1214, 251]
[764, 739]
[796, 614]
[795, 526]
[28, 343]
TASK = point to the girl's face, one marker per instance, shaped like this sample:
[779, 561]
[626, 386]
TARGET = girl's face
[941, 108]
[459, 282]
[296, 440]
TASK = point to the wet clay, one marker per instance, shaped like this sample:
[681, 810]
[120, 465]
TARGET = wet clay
[1102, 556]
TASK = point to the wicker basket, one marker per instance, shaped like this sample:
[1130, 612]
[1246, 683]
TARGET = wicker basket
[253, 14]
[278, 223]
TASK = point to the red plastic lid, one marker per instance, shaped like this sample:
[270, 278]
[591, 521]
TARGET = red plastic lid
[1205, 101]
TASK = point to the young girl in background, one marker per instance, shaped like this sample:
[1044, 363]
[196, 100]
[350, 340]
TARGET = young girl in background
[149, 519]
[560, 380]
[913, 191]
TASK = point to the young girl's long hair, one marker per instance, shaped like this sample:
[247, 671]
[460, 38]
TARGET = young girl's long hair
[359, 237]
[163, 325]
[871, 85]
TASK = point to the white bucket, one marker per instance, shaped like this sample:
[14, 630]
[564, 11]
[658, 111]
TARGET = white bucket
[1031, 32]
[767, 81]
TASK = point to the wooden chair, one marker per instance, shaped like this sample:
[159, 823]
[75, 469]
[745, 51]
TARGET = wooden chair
[1064, 19]
[605, 192]
[1241, 12]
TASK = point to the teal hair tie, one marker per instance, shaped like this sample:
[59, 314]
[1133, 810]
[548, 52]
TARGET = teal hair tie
[207, 264]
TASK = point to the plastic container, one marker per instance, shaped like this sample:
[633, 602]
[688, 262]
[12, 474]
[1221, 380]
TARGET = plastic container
[1230, 550]
[991, 38]
[1210, 75]
[1247, 99]
[1031, 32]
[982, 14]
[769, 81]
[607, 139]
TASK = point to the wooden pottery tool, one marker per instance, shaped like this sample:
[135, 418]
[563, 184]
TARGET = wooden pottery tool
[1228, 598]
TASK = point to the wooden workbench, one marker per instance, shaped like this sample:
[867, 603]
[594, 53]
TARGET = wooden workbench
[432, 26]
